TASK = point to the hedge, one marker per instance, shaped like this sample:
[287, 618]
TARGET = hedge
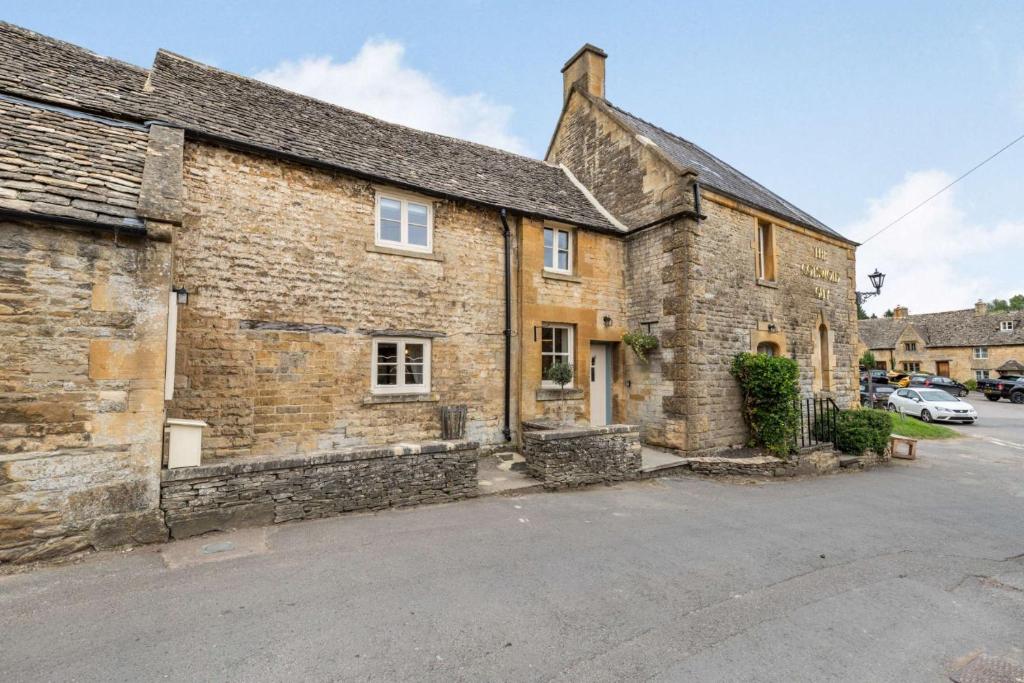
[770, 394]
[863, 429]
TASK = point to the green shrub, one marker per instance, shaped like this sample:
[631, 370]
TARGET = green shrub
[867, 361]
[971, 384]
[862, 430]
[641, 343]
[770, 394]
[560, 374]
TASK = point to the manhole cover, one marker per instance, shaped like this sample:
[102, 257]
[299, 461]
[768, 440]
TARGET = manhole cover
[986, 669]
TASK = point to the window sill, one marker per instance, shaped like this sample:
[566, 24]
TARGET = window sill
[562, 277]
[547, 394]
[773, 284]
[381, 399]
[395, 251]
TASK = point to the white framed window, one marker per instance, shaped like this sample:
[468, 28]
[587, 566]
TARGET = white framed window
[911, 366]
[400, 366]
[910, 346]
[981, 374]
[558, 250]
[765, 251]
[980, 352]
[556, 346]
[1006, 325]
[404, 222]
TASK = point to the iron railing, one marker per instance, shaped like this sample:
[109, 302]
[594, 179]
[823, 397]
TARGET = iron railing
[818, 417]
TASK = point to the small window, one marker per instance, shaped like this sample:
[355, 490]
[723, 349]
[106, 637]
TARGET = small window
[981, 374]
[558, 250]
[911, 366]
[404, 223]
[555, 347]
[1006, 326]
[980, 352]
[401, 366]
[768, 349]
[910, 346]
[765, 251]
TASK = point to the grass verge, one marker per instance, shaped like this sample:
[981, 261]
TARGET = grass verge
[915, 429]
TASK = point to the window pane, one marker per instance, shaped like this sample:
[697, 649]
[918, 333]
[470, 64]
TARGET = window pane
[390, 210]
[414, 353]
[390, 231]
[545, 363]
[561, 342]
[547, 334]
[414, 373]
[563, 240]
[387, 352]
[387, 375]
[418, 235]
[563, 260]
[417, 214]
[549, 237]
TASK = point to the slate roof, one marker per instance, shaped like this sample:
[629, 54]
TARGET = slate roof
[221, 104]
[58, 163]
[715, 174]
[42, 68]
[949, 328]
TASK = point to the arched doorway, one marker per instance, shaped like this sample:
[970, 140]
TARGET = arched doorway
[826, 374]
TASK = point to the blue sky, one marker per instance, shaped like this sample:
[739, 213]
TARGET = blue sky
[854, 111]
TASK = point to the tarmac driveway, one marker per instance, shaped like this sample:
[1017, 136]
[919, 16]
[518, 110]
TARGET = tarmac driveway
[999, 422]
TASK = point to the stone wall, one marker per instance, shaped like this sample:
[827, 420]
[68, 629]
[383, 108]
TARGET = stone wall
[573, 456]
[286, 292]
[228, 495]
[82, 345]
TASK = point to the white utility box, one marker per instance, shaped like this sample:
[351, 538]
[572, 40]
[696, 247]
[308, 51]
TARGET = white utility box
[185, 442]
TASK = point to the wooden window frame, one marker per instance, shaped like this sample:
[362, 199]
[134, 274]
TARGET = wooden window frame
[570, 340]
[555, 231]
[401, 387]
[980, 353]
[404, 201]
[1006, 326]
[765, 259]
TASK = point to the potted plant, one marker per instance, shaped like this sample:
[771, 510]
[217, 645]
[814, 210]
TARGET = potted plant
[561, 374]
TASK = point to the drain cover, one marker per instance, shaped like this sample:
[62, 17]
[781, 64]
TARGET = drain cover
[986, 669]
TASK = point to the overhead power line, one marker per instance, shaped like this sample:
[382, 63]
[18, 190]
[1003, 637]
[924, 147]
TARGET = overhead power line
[964, 175]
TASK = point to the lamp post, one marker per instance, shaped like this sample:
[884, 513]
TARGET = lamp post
[877, 278]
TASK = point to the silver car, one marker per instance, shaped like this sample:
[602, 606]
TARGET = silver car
[932, 405]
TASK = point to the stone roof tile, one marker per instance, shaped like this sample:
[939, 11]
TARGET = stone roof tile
[948, 328]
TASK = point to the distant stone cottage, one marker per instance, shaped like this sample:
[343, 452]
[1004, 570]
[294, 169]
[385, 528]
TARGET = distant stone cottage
[315, 284]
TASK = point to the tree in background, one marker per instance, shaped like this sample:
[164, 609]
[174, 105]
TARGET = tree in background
[888, 313]
[1016, 303]
[867, 361]
[861, 313]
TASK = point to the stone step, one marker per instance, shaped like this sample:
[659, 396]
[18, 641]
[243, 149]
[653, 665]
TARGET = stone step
[849, 460]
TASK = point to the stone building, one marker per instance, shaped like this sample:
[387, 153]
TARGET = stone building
[316, 284]
[974, 343]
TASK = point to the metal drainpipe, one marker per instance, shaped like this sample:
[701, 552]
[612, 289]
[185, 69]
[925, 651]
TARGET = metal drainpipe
[507, 431]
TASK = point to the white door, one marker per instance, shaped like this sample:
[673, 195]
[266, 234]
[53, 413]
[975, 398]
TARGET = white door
[600, 379]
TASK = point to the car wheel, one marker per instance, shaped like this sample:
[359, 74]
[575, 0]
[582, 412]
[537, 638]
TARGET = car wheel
[961, 393]
[891, 407]
[1017, 397]
[992, 397]
[926, 416]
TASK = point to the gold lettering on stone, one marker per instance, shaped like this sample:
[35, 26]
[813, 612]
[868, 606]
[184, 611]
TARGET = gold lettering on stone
[823, 293]
[819, 253]
[819, 272]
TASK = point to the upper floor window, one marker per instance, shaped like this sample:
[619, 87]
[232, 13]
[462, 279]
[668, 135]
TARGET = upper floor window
[910, 346]
[980, 352]
[404, 223]
[1006, 325]
[555, 347]
[400, 366]
[558, 250]
[765, 251]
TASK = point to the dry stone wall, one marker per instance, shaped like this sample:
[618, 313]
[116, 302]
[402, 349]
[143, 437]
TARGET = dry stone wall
[574, 456]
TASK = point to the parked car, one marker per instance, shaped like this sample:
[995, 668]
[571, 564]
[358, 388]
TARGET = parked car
[897, 377]
[907, 379]
[1004, 389]
[935, 381]
[877, 377]
[995, 385]
[879, 397]
[932, 405]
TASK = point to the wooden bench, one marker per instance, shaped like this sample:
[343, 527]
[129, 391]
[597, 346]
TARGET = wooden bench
[911, 447]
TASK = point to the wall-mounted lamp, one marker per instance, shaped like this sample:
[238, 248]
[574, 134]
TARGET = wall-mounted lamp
[772, 327]
[182, 295]
[607, 321]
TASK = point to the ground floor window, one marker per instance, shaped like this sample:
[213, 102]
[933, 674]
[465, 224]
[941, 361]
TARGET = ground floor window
[911, 366]
[981, 374]
[555, 347]
[401, 366]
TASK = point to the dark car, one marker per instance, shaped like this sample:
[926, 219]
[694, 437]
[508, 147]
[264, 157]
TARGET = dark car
[1006, 389]
[936, 382]
[877, 377]
[879, 397]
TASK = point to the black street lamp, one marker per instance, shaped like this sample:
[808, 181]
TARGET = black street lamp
[877, 279]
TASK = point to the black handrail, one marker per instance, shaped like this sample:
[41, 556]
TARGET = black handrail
[818, 421]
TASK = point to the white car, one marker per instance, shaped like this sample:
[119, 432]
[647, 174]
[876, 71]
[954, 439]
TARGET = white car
[932, 405]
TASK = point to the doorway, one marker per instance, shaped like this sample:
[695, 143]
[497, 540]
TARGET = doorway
[600, 384]
[942, 368]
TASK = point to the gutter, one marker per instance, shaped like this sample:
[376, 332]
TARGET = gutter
[506, 429]
[130, 229]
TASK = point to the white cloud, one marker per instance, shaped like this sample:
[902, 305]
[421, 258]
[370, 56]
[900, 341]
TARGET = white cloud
[937, 258]
[377, 82]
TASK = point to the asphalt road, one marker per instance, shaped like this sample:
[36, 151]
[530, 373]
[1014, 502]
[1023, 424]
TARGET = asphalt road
[897, 574]
[999, 421]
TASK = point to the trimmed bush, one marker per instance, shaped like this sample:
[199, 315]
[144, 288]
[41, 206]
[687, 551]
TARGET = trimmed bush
[862, 430]
[770, 394]
[971, 384]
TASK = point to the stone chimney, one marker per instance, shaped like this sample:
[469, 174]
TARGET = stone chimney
[980, 308]
[900, 312]
[585, 69]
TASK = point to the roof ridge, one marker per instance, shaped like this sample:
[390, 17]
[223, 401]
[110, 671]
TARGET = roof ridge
[369, 117]
[69, 45]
